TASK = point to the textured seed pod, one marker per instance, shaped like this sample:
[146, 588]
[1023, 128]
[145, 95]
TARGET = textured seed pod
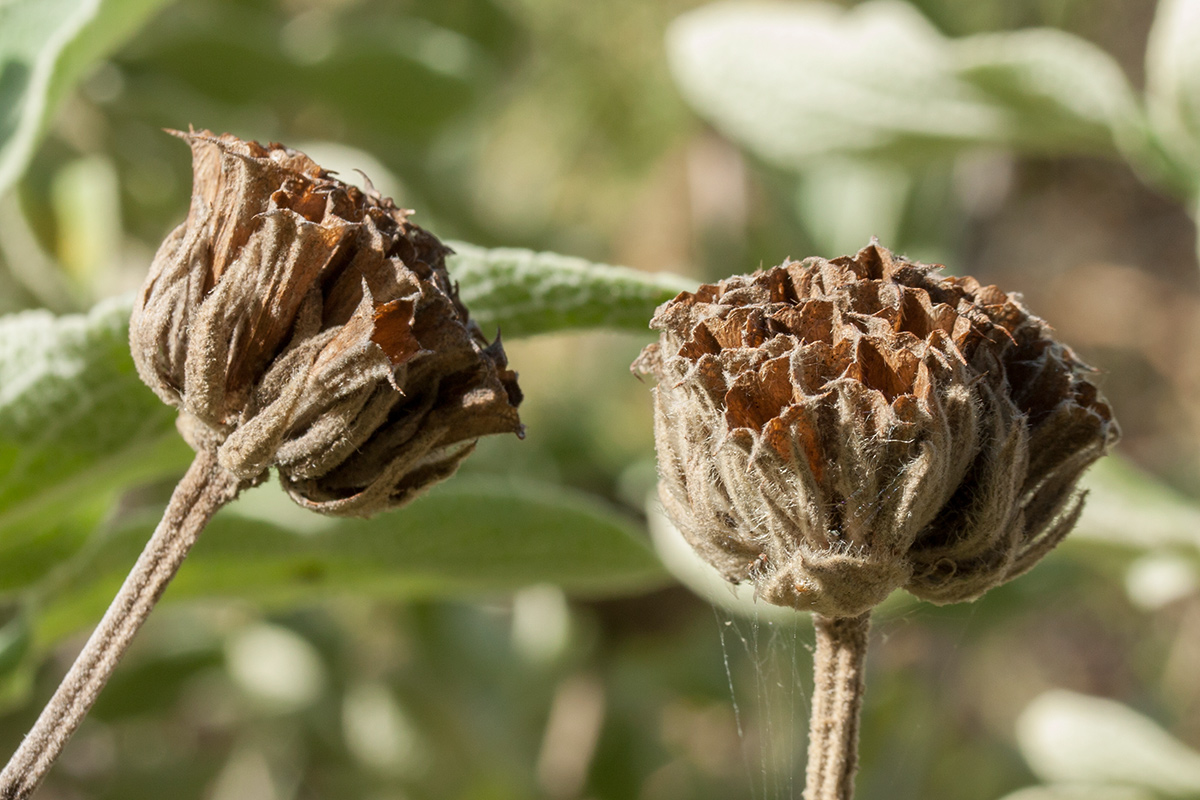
[835, 430]
[300, 323]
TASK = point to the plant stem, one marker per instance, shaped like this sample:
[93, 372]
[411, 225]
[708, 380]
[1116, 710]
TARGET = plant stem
[837, 701]
[204, 489]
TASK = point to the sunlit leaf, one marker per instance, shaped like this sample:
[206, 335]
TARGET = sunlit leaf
[1058, 92]
[45, 47]
[798, 82]
[76, 424]
[1127, 507]
[795, 81]
[76, 420]
[1073, 738]
[525, 293]
[1158, 579]
[1173, 79]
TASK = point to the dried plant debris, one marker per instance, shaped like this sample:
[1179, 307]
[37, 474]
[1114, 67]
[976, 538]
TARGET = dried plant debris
[300, 323]
[835, 430]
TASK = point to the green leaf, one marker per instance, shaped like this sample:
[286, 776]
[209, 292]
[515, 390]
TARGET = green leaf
[76, 422]
[42, 542]
[46, 46]
[1129, 508]
[796, 83]
[1173, 81]
[1059, 92]
[15, 638]
[1073, 738]
[467, 536]
[77, 425]
[207, 52]
[75, 418]
[525, 293]
[17, 664]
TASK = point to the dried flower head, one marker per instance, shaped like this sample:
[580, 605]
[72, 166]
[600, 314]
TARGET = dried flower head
[834, 430]
[300, 323]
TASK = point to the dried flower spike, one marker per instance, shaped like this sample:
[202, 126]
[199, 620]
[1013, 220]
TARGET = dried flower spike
[297, 323]
[300, 323]
[835, 430]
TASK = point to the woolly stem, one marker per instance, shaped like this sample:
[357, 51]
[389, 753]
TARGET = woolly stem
[204, 489]
[836, 703]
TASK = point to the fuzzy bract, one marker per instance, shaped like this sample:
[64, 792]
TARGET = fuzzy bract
[835, 430]
[303, 324]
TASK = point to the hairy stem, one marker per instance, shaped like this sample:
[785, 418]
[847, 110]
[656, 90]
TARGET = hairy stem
[837, 701]
[204, 489]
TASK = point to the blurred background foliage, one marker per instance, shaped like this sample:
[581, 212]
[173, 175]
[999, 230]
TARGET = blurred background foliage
[512, 636]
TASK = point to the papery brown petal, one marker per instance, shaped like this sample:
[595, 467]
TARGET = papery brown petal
[393, 330]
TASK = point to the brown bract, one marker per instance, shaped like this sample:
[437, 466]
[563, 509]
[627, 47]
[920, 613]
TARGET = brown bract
[835, 430]
[300, 323]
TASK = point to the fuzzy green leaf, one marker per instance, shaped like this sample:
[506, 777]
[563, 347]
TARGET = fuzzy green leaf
[1059, 93]
[76, 424]
[793, 82]
[525, 293]
[798, 82]
[470, 535]
[46, 46]
[74, 416]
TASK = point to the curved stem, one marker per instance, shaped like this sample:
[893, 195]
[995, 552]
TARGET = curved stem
[837, 701]
[204, 489]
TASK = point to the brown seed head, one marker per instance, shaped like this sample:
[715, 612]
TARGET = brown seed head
[835, 430]
[300, 323]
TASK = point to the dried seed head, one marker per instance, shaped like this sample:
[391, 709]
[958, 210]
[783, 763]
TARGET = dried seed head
[834, 430]
[300, 323]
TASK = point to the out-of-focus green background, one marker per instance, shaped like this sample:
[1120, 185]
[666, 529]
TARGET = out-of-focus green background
[1061, 163]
